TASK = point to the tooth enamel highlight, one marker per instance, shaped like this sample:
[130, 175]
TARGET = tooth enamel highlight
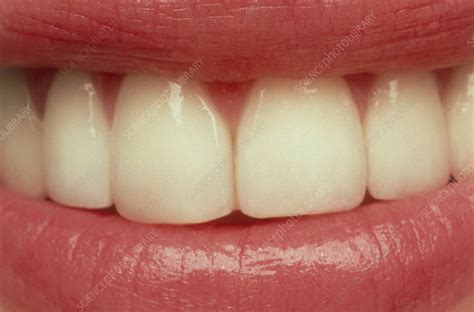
[299, 153]
[407, 141]
[22, 158]
[459, 102]
[76, 142]
[172, 153]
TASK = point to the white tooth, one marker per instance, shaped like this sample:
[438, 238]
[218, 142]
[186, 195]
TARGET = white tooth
[21, 134]
[406, 136]
[299, 153]
[459, 102]
[172, 153]
[77, 143]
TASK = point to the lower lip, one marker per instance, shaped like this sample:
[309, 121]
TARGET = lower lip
[409, 254]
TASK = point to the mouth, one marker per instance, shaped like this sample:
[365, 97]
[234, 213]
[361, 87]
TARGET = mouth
[241, 157]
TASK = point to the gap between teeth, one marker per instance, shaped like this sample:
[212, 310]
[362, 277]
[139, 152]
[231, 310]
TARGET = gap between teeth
[170, 157]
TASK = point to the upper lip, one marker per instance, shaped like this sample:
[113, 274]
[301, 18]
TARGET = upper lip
[235, 41]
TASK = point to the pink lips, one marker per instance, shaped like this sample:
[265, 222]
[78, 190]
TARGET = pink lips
[236, 40]
[413, 254]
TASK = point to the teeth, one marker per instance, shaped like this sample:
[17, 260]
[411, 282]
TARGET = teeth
[459, 103]
[169, 155]
[172, 153]
[77, 143]
[21, 137]
[299, 153]
[406, 136]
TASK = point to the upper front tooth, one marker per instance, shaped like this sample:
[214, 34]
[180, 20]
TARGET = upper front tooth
[22, 135]
[172, 153]
[77, 143]
[459, 102]
[299, 153]
[406, 136]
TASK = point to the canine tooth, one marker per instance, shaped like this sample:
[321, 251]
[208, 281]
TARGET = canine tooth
[77, 143]
[459, 103]
[406, 136]
[299, 152]
[22, 137]
[172, 153]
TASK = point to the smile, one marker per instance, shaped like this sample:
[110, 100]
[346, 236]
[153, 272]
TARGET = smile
[184, 158]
